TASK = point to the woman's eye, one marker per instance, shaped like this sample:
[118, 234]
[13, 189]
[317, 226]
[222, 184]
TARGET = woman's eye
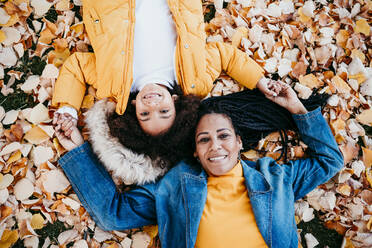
[144, 113]
[224, 136]
[203, 140]
[164, 111]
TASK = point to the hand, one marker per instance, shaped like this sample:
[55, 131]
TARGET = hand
[59, 118]
[263, 86]
[67, 133]
[285, 97]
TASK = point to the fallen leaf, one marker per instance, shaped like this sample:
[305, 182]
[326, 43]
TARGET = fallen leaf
[39, 114]
[5, 180]
[41, 154]
[8, 238]
[23, 189]
[55, 181]
[365, 117]
[36, 136]
[367, 157]
[37, 221]
[311, 81]
[10, 117]
[362, 26]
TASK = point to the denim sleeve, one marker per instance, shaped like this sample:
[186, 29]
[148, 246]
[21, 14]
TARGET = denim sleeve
[110, 209]
[325, 158]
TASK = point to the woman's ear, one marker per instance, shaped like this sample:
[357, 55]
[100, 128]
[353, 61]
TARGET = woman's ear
[240, 142]
[195, 155]
[133, 102]
[174, 97]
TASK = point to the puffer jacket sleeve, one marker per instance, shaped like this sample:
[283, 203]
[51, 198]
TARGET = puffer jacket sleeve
[237, 64]
[77, 71]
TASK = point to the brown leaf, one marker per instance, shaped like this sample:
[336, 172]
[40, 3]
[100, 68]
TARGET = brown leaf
[15, 133]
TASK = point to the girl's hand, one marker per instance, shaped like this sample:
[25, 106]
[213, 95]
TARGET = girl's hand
[67, 133]
[285, 97]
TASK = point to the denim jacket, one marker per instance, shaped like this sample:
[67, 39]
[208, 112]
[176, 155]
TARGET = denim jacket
[176, 201]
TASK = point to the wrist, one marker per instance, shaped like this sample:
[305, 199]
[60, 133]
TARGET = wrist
[298, 110]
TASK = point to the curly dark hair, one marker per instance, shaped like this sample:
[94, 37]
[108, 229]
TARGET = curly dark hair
[171, 146]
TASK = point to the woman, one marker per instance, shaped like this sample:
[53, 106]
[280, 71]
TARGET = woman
[146, 47]
[219, 198]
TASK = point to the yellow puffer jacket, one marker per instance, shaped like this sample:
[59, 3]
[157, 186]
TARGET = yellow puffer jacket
[110, 27]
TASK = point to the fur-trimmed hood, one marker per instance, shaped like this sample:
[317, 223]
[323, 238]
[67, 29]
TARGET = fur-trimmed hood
[125, 165]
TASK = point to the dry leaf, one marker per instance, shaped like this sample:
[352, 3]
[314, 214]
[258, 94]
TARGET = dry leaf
[31, 83]
[362, 26]
[5, 180]
[36, 136]
[50, 71]
[39, 114]
[4, 194]
[41, 154]
[23, 189]
[311, 81]
[367, 157]
[55, 181]
[14, 146]
[8, 238]
[37, 221]
[365, 117]
[10, 117]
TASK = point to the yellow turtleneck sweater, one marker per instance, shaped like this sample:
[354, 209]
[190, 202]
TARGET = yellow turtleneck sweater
[228, 219]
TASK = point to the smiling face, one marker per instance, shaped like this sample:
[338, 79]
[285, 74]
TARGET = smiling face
[155, 109]
[217, 145]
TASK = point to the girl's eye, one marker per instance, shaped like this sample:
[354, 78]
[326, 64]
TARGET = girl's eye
[164, 111]
[144, 113]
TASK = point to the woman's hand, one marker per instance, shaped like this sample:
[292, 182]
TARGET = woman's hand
[285, 96]
[67, 132]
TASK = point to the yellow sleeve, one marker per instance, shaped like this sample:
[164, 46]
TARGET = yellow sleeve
[237, 64]
[77, 71]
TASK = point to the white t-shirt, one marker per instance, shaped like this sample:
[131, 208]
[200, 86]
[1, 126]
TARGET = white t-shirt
[154, 46]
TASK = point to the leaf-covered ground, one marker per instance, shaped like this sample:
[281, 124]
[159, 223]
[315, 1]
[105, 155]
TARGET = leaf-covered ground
[315, 45]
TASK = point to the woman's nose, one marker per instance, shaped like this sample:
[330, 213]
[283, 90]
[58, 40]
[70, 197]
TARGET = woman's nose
[215, 144]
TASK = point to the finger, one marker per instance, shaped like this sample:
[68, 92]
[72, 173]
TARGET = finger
[55, 118]
[68, 132]
[67, 126]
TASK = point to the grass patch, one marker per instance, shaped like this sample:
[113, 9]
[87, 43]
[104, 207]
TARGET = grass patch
[326, 237]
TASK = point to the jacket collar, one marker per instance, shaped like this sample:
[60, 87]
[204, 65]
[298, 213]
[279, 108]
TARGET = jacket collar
[194, 191]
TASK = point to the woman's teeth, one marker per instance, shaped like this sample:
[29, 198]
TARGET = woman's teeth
[217, 158]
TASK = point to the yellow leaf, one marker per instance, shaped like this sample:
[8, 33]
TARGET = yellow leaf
[359, 77]
[344, 189]
[348, 243]
[9, 238]
[251, 154]
[63, 5]
[58, 57]
[46, 36]
[303, 18]
[355, 53]
[369, 176]
[88, 101]
[338, 125]
[15, 156]
[362, 26]
[37, 221]
[36, 135]
[2, 36]
[151, 230]
[342, 37]
[311, 81]
[365, 117]
[78, 28]
[340, 85]
[369, 224]
[60, 150]
[367, 157]
[13, 20]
